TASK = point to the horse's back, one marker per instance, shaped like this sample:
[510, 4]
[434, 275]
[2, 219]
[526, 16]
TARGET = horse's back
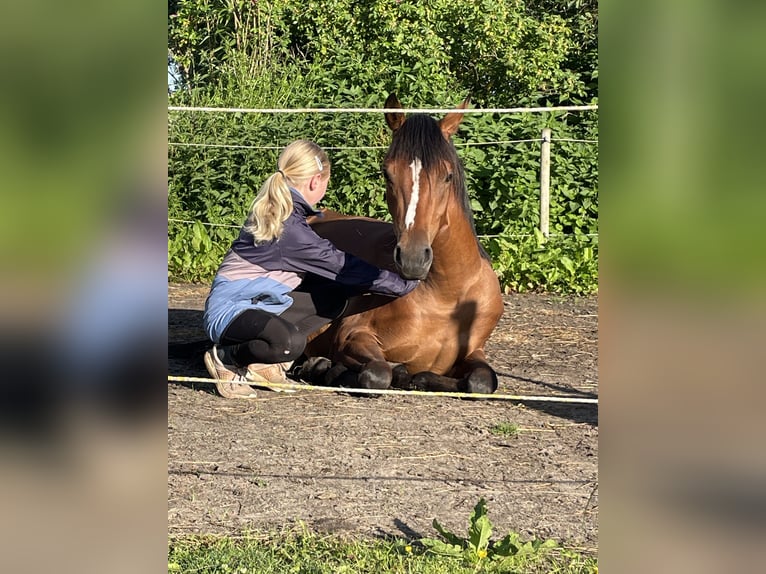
[370, 239]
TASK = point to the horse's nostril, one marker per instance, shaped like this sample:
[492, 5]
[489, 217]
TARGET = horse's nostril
[429, 254]
[398, 255]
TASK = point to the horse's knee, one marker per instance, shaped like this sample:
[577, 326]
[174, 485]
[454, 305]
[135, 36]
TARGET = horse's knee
[482, 380]
[375, 375]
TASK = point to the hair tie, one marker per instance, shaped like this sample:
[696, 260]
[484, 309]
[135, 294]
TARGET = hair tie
[282, 173]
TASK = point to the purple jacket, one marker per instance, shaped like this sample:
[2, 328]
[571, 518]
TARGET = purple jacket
[262, 276]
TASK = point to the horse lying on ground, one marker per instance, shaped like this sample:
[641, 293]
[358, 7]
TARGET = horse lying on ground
[432, 338]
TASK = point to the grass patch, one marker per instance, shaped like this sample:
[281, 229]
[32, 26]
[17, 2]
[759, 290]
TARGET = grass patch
[505, 429]
[300, 551]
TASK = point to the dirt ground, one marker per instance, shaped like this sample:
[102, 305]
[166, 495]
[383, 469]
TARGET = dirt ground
[389, 465]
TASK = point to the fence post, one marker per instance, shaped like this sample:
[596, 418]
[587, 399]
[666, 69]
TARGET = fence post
[545, 182]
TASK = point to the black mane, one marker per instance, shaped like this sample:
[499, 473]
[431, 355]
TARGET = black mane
[420, 136]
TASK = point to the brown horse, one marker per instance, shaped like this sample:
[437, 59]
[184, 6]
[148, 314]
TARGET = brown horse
[432, 338]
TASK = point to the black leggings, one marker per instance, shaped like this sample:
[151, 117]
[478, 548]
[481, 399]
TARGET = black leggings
[256, 336]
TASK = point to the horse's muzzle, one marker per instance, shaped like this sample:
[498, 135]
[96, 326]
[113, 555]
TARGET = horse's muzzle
[413, 262]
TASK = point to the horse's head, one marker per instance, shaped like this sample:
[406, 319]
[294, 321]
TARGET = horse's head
[422, 172]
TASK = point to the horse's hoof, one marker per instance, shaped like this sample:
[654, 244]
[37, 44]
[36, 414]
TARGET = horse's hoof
[481, 381]
[335, 376]
[375, 375]
[400, 378]
[313, 369]
[347, 379]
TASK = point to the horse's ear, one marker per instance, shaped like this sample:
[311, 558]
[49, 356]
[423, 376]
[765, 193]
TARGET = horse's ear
[450, 122]
[394, 119]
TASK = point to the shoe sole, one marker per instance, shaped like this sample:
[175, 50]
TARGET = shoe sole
[225, 390]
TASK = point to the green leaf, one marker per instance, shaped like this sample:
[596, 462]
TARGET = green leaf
[439, 547]
[508, 546]
[196, 239]
[449, 536]
[479, 533]
[539, 237]
[568, 264]
[481, 528]
[549, 544]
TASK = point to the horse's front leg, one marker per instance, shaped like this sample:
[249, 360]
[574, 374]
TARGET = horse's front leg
[469, 375]
[475, 375]
[361, 353]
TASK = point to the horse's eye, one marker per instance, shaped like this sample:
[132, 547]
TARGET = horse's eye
[449, 177]
[385, 174]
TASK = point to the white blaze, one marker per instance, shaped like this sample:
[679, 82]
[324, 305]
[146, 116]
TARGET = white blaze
[409, 218]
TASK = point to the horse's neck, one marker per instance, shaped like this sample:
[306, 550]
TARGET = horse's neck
[456, 251]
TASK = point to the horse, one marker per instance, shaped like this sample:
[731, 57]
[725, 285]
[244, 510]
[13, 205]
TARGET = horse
[432, 338]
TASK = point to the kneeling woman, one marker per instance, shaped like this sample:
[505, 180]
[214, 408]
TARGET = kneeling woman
[280, 281]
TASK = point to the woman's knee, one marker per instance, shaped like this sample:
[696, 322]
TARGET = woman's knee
[295, 346]
[286, 341]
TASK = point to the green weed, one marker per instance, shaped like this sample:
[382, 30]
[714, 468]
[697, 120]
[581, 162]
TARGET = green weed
[505, 429]
[508, 553]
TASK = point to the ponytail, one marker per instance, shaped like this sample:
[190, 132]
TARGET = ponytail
[298, 162]
[270, 209]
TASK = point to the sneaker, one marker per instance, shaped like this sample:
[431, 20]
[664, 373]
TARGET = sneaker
[261, 374]
[229, 377]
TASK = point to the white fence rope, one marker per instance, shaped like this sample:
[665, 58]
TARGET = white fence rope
[266, 147]
[205, 223]
[458, 395]
[457, 144]
[361, 147]
[379, 110]
[572, 140]
[511, 235]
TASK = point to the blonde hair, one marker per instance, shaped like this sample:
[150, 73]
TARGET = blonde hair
[298, 162]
